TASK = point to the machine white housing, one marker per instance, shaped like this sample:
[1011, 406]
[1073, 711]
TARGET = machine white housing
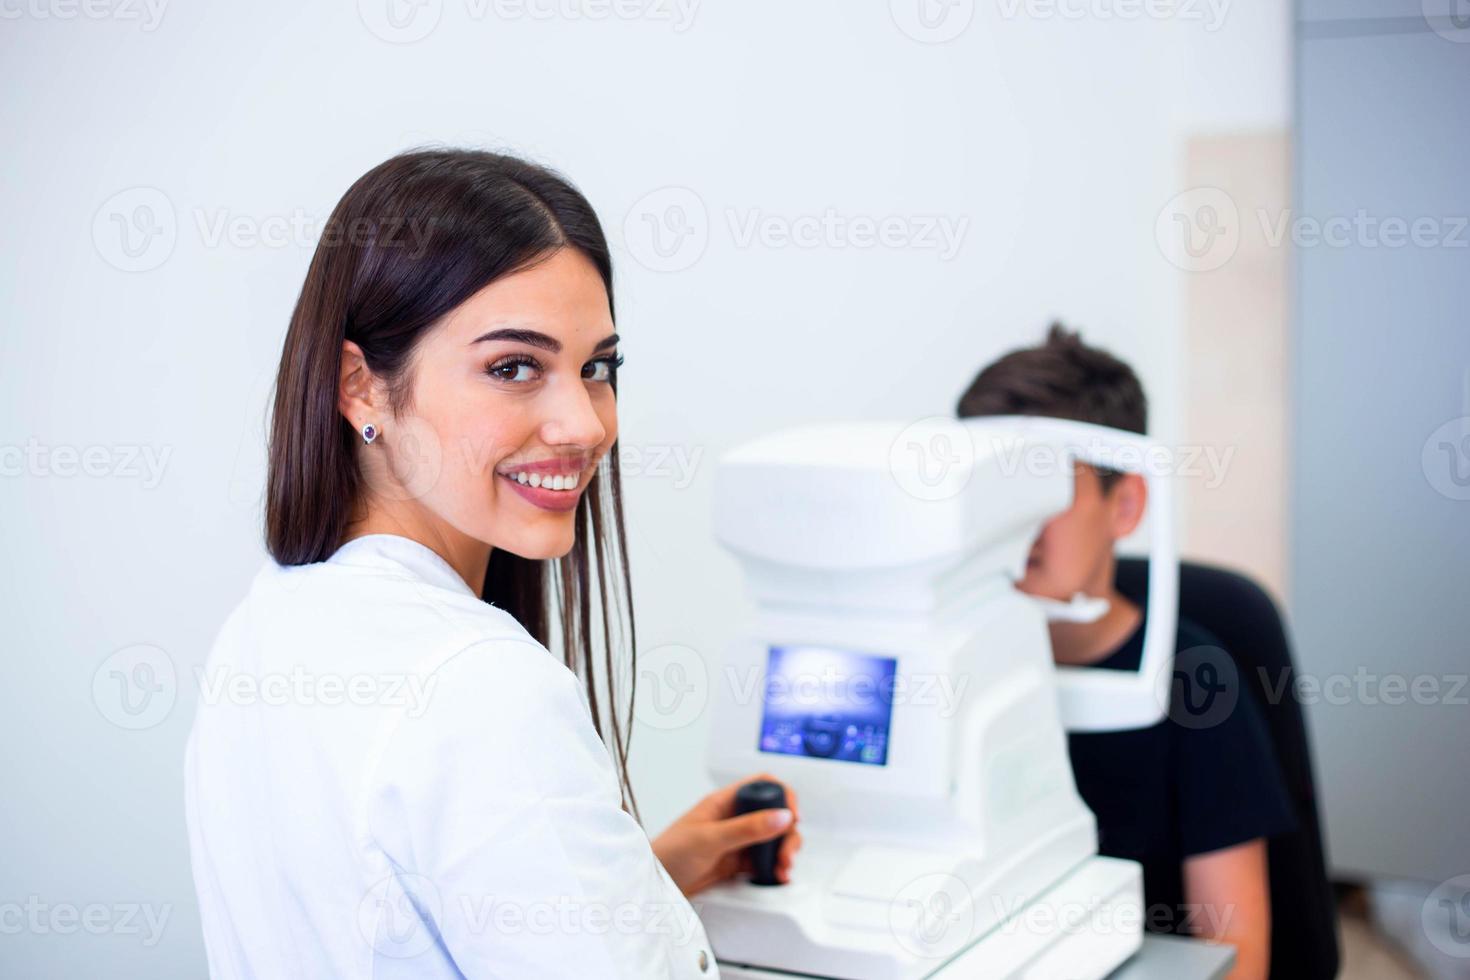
[878, 544]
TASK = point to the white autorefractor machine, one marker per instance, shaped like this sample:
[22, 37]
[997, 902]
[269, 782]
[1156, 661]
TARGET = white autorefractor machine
[896, 680]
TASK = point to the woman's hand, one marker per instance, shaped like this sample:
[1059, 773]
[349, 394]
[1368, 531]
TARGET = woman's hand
[707, 844]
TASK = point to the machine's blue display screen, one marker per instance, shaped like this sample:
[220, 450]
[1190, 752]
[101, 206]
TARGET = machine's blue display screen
[828, 704]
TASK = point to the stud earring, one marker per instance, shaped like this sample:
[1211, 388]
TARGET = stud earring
[369, 432]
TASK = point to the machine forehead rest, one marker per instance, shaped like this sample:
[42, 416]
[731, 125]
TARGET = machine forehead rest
[864, 496]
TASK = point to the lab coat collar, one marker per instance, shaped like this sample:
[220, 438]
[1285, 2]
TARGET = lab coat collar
[397, 551]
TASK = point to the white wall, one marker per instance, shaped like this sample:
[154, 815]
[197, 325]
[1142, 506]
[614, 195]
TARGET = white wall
[1055, 140]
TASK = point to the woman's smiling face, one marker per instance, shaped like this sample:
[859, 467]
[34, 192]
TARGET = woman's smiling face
[511, 409]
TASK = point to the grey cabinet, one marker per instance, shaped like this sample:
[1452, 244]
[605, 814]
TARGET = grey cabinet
[1380, 549]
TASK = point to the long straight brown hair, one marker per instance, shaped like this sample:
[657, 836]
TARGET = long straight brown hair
[411, 240]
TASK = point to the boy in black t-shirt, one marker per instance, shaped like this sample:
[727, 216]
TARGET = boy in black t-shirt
[1194, 797]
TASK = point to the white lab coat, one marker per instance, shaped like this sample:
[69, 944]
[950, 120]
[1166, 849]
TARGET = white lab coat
[388, 777]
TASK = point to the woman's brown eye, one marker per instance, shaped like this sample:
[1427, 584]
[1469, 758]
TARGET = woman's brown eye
[516, 371]
[601, 369]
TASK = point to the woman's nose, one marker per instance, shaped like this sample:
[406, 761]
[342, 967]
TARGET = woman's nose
[571, 418]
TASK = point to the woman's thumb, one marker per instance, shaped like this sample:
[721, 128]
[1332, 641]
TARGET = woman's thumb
[752, 828]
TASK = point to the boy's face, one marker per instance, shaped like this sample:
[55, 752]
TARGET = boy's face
[1074, 552]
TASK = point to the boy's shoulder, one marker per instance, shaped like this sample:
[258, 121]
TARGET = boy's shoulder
[1203, 778]
[1190, 634]
[1207, 690]
[1190, 639]
[1201, 660]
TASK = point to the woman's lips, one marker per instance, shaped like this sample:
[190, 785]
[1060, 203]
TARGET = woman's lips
[550, 466]
[554, 500]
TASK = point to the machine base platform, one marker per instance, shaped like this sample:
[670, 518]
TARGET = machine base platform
[1083, 928]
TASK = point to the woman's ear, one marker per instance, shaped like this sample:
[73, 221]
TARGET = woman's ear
[357, 395]
[1127, 501]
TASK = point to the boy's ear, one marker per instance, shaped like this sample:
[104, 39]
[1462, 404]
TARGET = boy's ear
[1127, 501]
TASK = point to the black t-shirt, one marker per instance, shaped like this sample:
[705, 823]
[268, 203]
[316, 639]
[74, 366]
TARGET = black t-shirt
[1204, 778]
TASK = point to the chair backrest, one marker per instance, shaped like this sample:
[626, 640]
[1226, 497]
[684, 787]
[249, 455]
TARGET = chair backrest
[1304, 942]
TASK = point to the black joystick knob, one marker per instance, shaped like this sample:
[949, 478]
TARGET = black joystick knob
[762, 794]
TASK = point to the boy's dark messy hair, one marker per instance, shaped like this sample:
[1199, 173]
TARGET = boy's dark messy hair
[1062, 378]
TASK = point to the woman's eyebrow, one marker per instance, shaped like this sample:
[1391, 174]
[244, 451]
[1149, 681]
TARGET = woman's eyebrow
[535, 338]
[516, 335]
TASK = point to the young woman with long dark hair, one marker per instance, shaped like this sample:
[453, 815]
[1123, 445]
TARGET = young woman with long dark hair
[390, 774]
